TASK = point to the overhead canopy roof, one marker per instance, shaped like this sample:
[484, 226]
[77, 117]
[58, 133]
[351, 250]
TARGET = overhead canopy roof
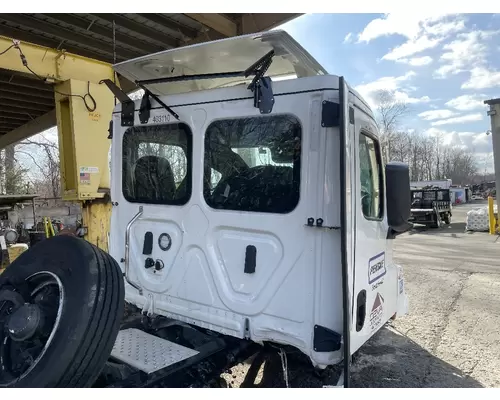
[9, 200]
[26, 104]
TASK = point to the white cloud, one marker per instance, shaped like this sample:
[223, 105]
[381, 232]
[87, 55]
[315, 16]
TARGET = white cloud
[432, 115]
[467, 102]
[348, 38]
[423, 31]
[411, 47]
[445, 28]
[482, 78]
[459, 120]
[397, 85]
[416, 61]
[434, 131]
[405, 98]
[385, 83]
[467, 50]
[479, 142]
[407, 24]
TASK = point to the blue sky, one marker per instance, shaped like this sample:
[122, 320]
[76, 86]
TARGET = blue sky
[444, 66]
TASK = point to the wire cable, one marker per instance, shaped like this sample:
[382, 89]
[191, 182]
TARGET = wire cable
[7, 49]
[86, 96]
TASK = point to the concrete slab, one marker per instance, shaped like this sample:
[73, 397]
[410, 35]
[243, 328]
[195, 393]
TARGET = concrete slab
[471, 339]
[453, 278]
[392, 359]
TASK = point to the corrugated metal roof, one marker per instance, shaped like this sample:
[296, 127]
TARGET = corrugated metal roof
[23, 97]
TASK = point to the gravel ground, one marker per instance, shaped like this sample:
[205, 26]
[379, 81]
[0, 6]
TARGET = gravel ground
[450, 338]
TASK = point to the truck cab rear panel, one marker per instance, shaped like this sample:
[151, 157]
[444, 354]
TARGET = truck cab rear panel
[244, 264]
[228, 214]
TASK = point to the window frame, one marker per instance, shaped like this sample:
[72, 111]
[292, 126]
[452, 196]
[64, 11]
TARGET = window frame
[189, 164]
[378, 156]
[231, 118]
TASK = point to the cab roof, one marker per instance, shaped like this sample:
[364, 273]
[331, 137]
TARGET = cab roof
[226, 55]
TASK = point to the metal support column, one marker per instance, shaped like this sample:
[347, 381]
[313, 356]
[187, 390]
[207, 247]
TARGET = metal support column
[494, 113]
[84, 147]
[83, 138]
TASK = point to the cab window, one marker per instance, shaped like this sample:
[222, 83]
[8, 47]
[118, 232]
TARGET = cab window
[157, 164]
[370, 172]
[253, 164]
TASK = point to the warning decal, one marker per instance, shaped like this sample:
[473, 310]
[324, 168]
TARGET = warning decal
[85, 174]
[377, 312]
[90, 170]
[84, 178]
[401, 281]
[376, 268]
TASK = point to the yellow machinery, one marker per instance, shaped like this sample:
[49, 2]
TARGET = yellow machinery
[48, 227]
[83, 110]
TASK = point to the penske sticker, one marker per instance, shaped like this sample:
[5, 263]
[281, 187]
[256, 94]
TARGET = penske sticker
[376, 268]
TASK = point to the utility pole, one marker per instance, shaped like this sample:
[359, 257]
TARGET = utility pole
[494, 113]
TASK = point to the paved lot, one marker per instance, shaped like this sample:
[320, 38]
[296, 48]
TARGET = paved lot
[451, 336]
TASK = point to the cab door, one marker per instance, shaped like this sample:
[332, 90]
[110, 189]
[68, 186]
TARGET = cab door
[374, 283]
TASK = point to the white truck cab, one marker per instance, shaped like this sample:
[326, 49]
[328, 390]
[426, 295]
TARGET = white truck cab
[251, 210]
[228, 211]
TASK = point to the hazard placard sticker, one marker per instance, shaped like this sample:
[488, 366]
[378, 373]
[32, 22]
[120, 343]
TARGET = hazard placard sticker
[377, 313]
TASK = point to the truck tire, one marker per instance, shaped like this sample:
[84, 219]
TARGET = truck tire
[447, 219]
[66, 298]
[437, 220]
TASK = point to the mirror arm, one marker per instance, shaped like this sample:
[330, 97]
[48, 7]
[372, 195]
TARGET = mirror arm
[391, 233]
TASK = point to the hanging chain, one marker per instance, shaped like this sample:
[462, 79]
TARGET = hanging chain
[284, 365]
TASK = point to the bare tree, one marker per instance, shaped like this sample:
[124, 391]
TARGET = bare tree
[12, 173]
[390, 112]
[44, 155]
[430, 159]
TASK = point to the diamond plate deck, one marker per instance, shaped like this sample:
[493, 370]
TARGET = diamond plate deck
[147, 352]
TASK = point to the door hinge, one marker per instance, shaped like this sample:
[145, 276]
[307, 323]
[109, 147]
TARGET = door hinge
[262, 86]
[145, 109]
[351, 115]
[110, 130]
[263, 97]
[330, 114]
[128, 113]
